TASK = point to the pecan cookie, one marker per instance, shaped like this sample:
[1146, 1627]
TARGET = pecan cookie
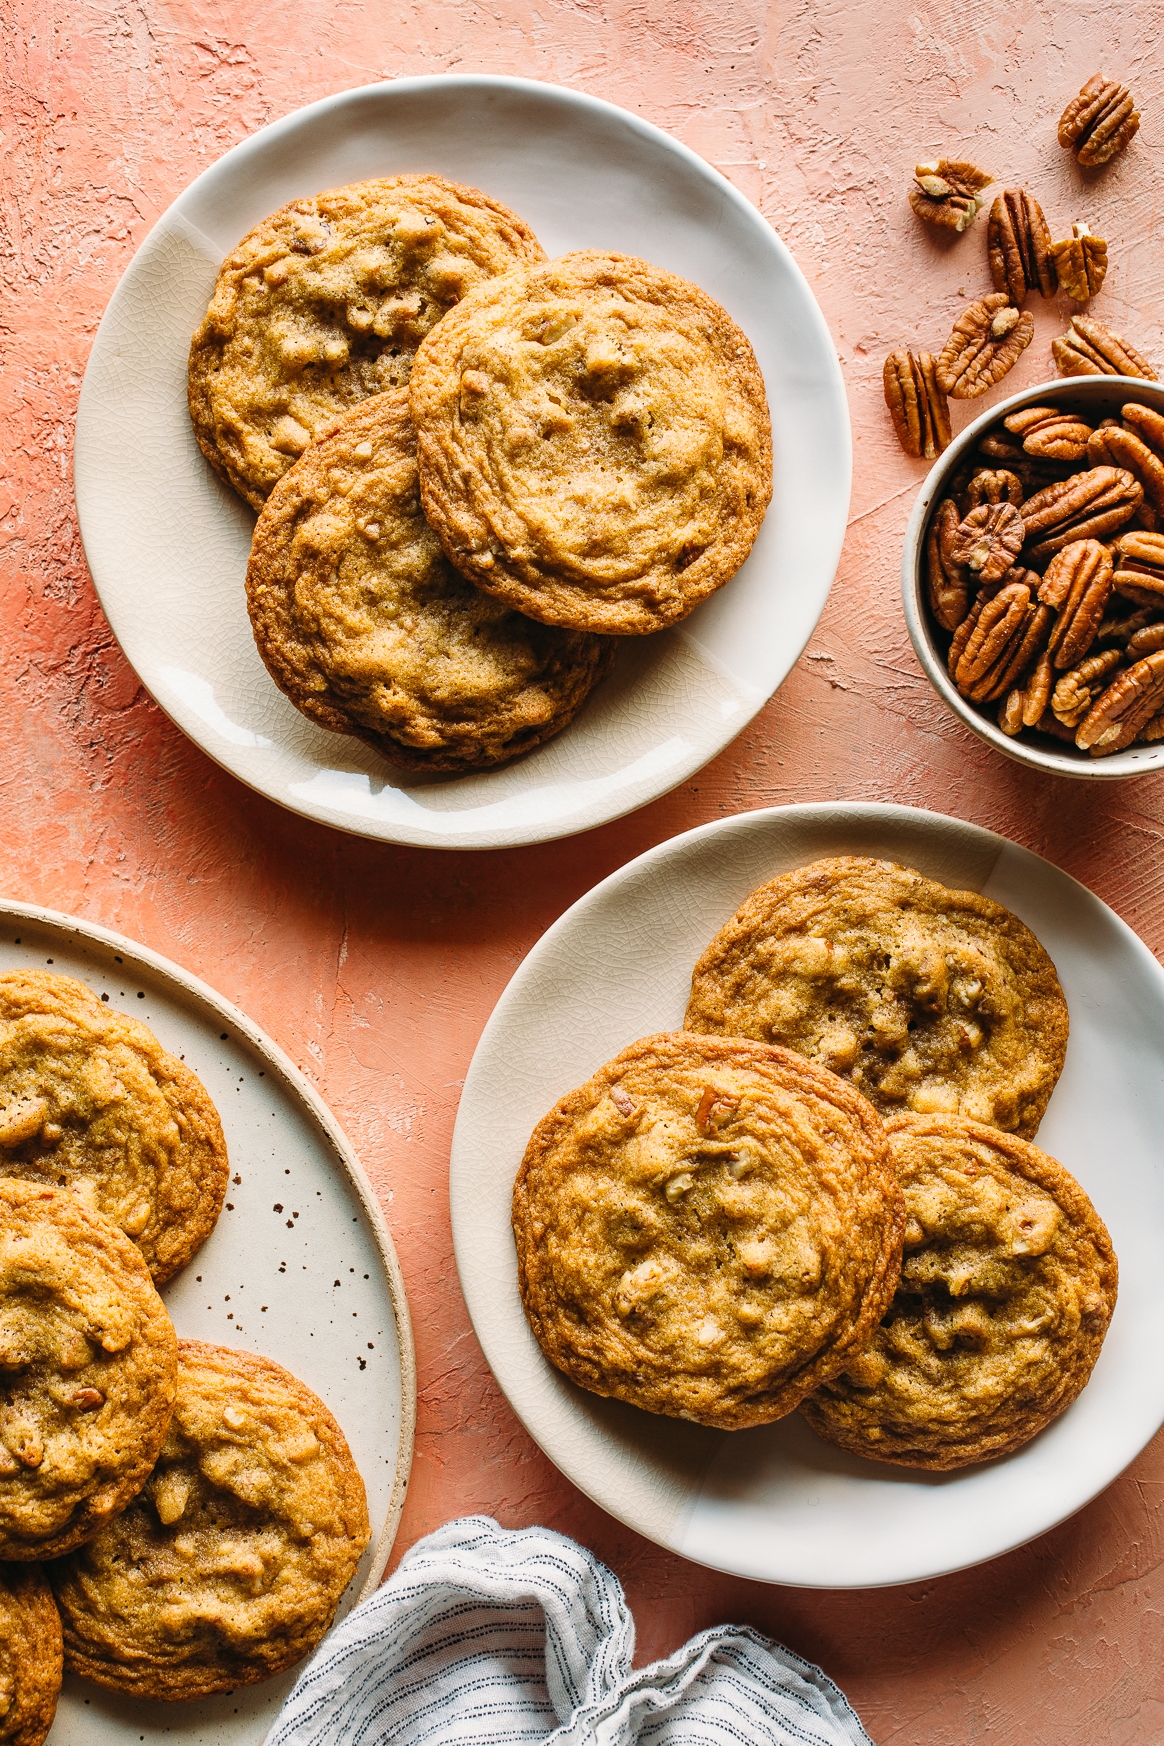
[1007, 1288]
[324, 303]
[87, 1366]
[708, 1228]
[90, 1101]
[229, 1566]
[927, 999]
[30, 1655]
[369, 629]
[595, 448]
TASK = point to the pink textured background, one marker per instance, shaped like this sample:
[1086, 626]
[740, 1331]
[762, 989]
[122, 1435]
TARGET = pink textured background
[375, 967]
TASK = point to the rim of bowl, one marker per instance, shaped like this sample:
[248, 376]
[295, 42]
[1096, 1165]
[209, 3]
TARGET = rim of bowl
[1107, 391]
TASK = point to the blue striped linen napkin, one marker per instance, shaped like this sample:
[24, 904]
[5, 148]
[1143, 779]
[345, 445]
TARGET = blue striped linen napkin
[491, 1637]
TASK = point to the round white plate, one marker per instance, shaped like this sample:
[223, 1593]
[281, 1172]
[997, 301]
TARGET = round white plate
[776, 1503]
[300, 1266]
[167, 542]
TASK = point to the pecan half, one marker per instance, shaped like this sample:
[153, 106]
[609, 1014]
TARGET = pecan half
[1077, 584]
[1088, 348]
[1018, 246]
[917, 405]
[996, 623]
[1128, 704]
[994, 485]
[1010, 712]
[1075, 691]
[1099, 122]
[1081, 263]
[963, 634]
[1115, 447]
[946, 193]
[1147, 424]
[1139, 574]
[1152, 730]
[1024, 646]
[988, 339]
[989, 540]
[1049, 433]
[1146, 641]
[947, 582]
[996, 448]
[1037, 695]
[1085, 507]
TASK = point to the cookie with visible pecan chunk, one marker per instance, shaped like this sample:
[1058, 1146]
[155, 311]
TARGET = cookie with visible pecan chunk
[325, 303]
[30, 1655]
[1007, 1287]
[707, 1228]
[925, 998]
[229, 1566]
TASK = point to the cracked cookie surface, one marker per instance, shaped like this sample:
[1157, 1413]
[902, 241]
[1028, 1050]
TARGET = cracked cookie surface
[1007, 1287]
[91, 1102]
[87, 1366]
[594, 441]
[707, 1228]
[325, 303]
[229, 1565]
[928, 999]
[369, 629]
[30, 1655]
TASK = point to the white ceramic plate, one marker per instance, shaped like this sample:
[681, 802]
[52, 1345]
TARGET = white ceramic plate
[776, 1503]
[167, 542]
[300, 1267]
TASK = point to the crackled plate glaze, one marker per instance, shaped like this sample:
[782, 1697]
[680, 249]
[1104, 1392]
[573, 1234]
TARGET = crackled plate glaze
[167, 542]
[775, 1503]
[300, 1266]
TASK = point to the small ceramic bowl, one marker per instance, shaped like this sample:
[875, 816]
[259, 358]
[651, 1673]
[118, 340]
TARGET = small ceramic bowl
[1094, 397]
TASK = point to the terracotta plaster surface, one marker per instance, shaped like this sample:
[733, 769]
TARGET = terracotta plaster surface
[376, 968]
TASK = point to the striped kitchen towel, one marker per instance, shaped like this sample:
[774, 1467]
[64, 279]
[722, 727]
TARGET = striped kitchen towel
[491, 1637]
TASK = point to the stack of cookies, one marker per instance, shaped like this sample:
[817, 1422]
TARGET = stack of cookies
[181, 1518]
[474, 467]
[822, 1192]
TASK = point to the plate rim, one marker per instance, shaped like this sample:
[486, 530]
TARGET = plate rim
[206, 996]
[86, 433]
[459, 1183]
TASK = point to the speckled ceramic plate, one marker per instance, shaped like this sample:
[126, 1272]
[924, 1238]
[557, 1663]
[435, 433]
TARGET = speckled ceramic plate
[775, 1502]
[167, 542]
[300, 1267]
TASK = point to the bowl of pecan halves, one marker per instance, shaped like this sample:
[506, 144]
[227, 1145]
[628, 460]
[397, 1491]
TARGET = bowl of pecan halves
[1033, 576]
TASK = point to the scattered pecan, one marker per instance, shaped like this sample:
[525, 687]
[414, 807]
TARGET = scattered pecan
[1018, 245]
[1147, 424]
[947, 193]
[947, 583]
[1049, 433]
[1128, 704]
[1010, 712]
[1088, 348]
[1081, 263]
[917, 404]
[1099, 122]
[988, 339]
[1086, 506]
[997, 621]
[1037, 696]
[1115, 447]
[994, 485]
[1077, 584]
[1139, 574]
[1075, 691]
[989, 540]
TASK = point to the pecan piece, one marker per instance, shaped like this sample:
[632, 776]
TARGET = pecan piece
[989, 540]
[946, 193]
[1050, 434]
[996, 622]
[1010, 713]
[1146, 641]
[1099, 122]
[1123, 628]
[988, 339]
[1081, 263]
[1128, 704]
[1147, 424]
[1113, 446]
[1075, 691]
[1139, 575]
[947, 583]
[917, 404]
[1088, 348]
[1077, 584]
[996, 448]
[994, 485]
[1085, 507]
[1018, 245]
[1037, 695]
[1153, 730]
